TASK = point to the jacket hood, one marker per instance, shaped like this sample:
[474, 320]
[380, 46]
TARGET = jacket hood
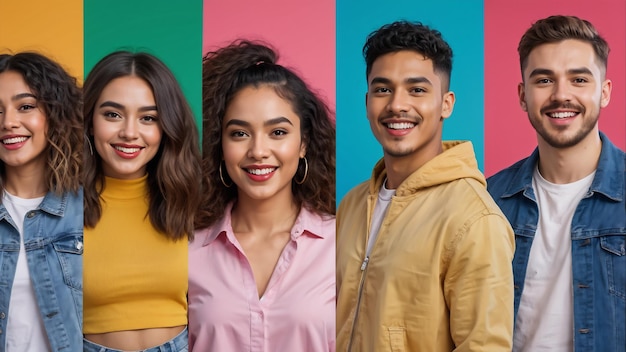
[456, 162]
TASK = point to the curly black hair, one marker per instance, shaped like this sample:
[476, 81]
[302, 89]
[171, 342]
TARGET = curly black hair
[415, 36]
[242, 64]
[61, 98]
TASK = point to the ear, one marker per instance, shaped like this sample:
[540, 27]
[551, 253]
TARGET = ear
[522, 96]
[366, 97]
[302, 149]
[447, 104]
[607, 86]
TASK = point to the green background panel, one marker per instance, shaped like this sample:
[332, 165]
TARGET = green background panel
[170, 30]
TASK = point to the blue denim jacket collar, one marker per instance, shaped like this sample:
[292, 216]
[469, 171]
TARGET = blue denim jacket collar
[52, 204]
[608, 180]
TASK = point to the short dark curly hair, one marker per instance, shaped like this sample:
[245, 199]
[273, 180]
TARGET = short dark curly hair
[61, 98]
[414, 36]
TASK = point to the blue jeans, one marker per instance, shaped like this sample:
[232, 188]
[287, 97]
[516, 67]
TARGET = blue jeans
[177, 344]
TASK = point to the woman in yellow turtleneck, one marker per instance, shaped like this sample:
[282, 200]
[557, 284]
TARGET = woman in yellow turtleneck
[141, 191]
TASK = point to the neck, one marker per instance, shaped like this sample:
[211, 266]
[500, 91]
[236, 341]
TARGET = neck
[399, 168]
[567, 165]
[26, 182]
[264, 216]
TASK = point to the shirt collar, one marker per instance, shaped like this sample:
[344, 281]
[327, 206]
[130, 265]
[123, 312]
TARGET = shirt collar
[307, 222]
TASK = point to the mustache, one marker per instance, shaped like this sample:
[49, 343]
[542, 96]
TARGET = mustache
[560, 105]
[403, 115]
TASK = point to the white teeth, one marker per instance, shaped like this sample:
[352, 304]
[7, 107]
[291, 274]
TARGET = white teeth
[562, 115]
[261, 171]
[126, 150]
[400, 125]
[14, 140]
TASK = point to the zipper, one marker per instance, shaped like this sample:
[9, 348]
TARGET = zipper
[358, 300]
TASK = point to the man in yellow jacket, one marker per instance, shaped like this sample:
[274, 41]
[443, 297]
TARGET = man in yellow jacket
[423, 252]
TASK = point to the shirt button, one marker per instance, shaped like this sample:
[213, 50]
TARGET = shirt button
[79, 245]
[30, 214]
[2, 315]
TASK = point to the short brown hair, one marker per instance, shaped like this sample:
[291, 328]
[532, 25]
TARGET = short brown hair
[558, 28]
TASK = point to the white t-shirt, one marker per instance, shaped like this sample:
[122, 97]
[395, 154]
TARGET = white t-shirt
[25, 329]
[545, 319]
[384, 198]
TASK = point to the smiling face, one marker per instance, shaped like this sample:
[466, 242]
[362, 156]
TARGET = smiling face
[126, 129]
[563, 91]
[406, 105]
[24, 124]
[262, 143]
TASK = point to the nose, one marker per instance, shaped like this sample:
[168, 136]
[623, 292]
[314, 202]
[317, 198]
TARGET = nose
[259, 148]
[561, 91]
[10, 119]
[130, 129]
[398, 102]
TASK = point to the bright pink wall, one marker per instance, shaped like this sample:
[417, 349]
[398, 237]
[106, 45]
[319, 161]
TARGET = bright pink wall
[303, 32]
[508, 134]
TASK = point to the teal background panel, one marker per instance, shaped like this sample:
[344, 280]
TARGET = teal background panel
[170, 30]
[461, 24]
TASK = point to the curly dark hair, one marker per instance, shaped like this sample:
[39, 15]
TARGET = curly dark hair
[405, 35]
[237, 66]
[59, 95]
[558, 28]
[173, 173]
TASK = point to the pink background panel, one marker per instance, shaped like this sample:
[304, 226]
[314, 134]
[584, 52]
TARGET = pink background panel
[508, 134]
[303, 32]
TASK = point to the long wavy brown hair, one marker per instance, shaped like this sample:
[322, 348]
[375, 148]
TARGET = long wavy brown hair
[59, 95]
[242, 64]
[174, 172]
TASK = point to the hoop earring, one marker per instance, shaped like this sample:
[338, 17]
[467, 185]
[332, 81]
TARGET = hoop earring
[222, 178]
[306, 172]
[89, 143]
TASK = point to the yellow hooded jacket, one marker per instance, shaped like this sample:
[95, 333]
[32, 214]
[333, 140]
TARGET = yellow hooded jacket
[439, 277]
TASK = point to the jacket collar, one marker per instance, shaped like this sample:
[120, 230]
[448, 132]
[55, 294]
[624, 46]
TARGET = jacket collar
[456, 162]
[608, 180]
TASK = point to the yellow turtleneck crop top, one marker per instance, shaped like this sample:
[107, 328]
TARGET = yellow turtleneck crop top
[133, 276]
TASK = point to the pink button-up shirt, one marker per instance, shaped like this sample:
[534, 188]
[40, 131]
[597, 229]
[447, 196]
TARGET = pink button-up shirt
[297, 310]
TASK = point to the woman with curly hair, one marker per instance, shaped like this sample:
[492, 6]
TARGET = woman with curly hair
[142, 189]
[262, 267]
[41, 212]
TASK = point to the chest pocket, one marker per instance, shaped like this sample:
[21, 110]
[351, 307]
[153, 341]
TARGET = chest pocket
[69, 250]
[614, 252]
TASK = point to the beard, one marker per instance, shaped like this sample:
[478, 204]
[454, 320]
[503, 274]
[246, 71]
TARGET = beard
[557, 136]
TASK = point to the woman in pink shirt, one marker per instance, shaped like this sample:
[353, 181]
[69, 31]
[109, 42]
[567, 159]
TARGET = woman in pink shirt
[262, 267]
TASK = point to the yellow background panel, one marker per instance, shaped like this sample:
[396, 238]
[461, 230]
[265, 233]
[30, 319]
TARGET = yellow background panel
[51, 27]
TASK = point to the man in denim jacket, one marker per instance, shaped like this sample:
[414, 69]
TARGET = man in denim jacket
[566, 201]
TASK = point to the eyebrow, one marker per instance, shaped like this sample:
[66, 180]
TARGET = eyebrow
[410, 80]
[547, 72]
[115, 105]
[270, 122]
[23, 95]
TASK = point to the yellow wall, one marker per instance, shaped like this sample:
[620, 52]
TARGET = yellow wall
[51, 27]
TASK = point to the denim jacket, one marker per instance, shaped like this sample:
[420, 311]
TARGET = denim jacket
[598, 245]
[53, 239]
